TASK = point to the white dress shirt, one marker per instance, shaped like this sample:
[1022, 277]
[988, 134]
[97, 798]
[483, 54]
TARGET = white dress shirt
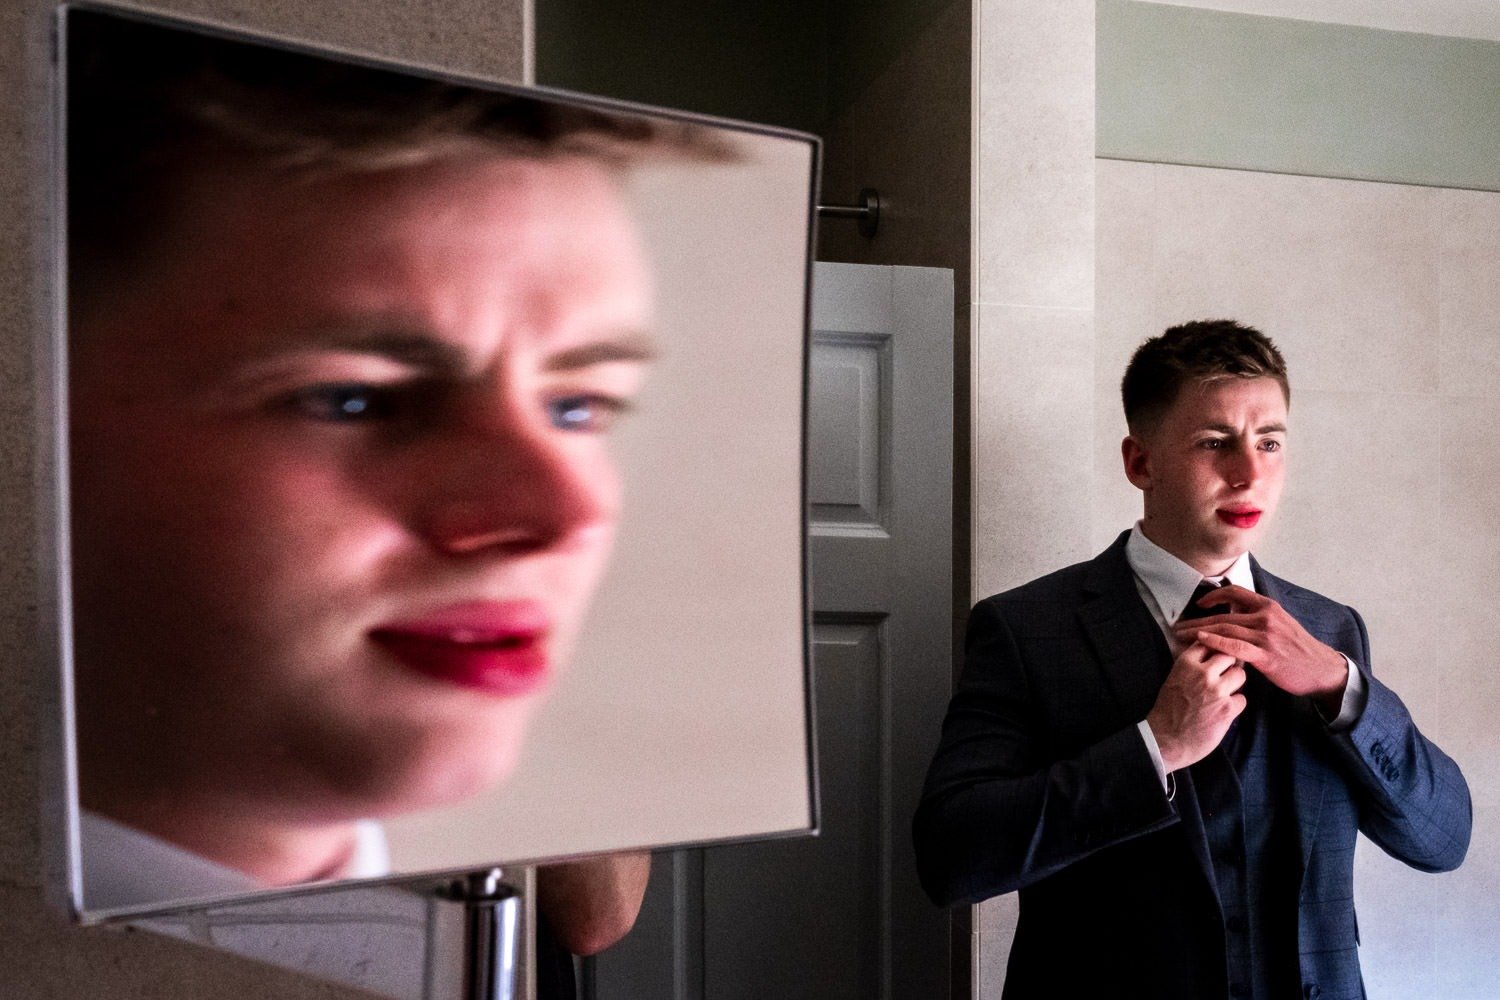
[1166, 584]
[382, 940]
[126, 867]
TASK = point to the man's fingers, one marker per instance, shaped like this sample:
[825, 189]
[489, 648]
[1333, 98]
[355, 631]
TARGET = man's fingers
[1207, 659]
[1238, 619]
[1237, 649]
[1237, 627]
[1232, 679]
[1220, 662]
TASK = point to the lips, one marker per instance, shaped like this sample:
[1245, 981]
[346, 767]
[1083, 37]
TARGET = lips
[498, 648]
[1239, 517]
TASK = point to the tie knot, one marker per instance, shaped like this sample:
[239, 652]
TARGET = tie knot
[1194, 610]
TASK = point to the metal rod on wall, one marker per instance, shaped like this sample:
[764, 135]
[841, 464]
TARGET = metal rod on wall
[867, 212]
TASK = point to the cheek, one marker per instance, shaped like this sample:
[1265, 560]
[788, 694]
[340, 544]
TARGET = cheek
[586, 554]
[610, 490]
[1188, 483]
[257, 520]
[598, 548]
[1276, 480]
[308, 525]
[590, 477]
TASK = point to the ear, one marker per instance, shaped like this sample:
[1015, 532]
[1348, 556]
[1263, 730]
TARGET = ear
[1137, 460]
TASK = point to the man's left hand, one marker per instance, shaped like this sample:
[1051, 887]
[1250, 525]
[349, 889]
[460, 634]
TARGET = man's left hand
[1258, 631]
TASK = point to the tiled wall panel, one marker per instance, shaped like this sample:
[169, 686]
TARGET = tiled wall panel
[1383, 299]
[1032, 321]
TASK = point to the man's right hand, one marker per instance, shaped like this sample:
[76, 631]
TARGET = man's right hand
[1195, 706]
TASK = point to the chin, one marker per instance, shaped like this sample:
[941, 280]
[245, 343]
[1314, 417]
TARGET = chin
[449, 782]
[1219, 549]
[433, 769]
[1229, 549]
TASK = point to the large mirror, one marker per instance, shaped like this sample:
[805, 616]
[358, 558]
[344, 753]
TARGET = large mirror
[434, 471]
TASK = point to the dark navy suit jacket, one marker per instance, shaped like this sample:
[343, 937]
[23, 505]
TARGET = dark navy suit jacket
[1042, 784]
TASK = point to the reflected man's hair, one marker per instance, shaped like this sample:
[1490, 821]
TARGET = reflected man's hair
[148, 105]
[1201, 351]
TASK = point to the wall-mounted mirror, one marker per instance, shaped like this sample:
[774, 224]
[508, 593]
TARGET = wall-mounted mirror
[434, 470]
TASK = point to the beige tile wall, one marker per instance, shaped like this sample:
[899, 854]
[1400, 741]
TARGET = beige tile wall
[1032, 325]
[1034, 286]
[41, 957]
[1384, 300]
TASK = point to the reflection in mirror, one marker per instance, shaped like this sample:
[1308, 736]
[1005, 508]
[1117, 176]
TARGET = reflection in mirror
[432, 447]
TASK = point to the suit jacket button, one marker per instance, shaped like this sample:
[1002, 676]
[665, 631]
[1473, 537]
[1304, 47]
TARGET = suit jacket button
[1312, 991]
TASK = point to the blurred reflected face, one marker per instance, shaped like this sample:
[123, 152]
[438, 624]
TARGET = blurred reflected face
[340, 482]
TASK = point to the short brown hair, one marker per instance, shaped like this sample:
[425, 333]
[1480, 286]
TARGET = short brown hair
[1201, 351]
[150, 103]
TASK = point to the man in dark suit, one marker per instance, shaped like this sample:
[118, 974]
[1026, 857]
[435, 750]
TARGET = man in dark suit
[1173, 779]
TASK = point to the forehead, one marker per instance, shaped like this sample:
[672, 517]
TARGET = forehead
[1228, 401]
[542, 203]
[482, 246]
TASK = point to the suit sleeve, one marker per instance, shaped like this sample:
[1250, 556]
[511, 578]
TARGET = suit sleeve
[996, 813]
[1413, 800]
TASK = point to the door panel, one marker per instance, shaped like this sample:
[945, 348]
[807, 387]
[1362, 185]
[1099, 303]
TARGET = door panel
[781, 911]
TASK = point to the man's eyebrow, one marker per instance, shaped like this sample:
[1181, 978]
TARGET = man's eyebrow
[414, 350]
[1272, 428]
[637, 347]
[437, 357]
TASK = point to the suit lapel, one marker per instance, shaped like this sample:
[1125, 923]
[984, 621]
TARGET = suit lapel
[1128, 647]
[1307, 775]
[1133, 657]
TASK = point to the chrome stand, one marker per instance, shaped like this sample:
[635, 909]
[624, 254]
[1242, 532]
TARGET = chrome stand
[492, 921]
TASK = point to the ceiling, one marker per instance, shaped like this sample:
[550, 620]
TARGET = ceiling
[1463, 18]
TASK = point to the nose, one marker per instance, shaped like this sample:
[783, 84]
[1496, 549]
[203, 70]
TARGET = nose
[1243, 466]
[516, 486]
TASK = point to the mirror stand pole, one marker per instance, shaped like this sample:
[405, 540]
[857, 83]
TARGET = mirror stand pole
[492, 923]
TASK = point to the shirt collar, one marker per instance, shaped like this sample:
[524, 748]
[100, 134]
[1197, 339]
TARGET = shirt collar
[1170, 580]
[123, 866]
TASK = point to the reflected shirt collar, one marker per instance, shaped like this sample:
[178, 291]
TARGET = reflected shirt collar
[1171, 581]
[126, 867]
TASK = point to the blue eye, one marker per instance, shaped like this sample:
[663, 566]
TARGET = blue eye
[586, 413]
[341, 402]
